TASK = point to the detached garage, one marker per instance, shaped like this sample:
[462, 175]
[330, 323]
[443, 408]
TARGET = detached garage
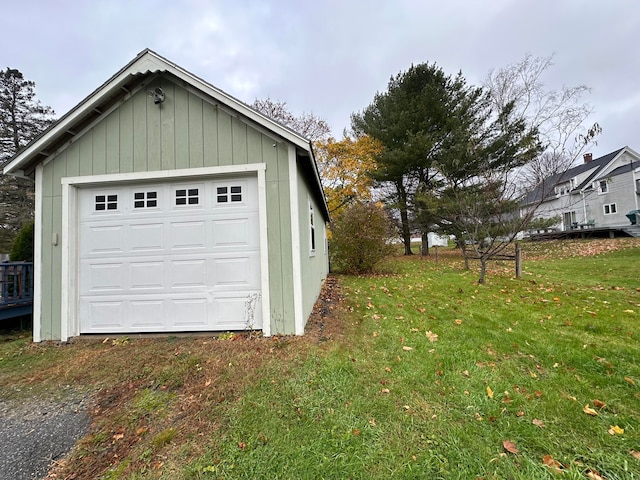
[165, 205]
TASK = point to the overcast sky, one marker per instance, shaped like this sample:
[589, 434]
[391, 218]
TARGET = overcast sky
[331, 57]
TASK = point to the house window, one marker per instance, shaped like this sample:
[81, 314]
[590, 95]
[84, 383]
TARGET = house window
[106, 202]
[187, 196]
[312, 229]
[610, 208]
[145, 199]
[229, 194]
[602, 186]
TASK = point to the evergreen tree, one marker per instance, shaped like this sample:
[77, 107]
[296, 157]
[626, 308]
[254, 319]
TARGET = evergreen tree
[416, 119]
[22, 118]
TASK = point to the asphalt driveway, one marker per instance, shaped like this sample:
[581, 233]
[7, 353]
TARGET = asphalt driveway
[34, 433]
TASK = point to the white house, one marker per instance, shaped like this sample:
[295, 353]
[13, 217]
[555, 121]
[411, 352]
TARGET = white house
[597, 193]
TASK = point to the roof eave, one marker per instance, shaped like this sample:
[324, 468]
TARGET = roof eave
[145, 62]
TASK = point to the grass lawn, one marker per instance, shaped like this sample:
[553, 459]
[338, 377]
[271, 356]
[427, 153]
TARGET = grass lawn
[417, 372]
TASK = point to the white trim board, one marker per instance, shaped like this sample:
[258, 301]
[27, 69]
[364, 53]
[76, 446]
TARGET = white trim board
[295, 243]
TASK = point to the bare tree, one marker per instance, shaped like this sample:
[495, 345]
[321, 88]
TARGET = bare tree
[307, 124]
[557, 115]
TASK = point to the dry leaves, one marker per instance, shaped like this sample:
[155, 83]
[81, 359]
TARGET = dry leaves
[433, 337]
[589, 411]
[510, 447]
[615, 430]
[538, 423]
[594, 475]
[489, 392]
[553, 464]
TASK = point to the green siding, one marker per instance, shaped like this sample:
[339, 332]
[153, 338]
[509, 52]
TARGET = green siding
[314, 265]
[184, 131]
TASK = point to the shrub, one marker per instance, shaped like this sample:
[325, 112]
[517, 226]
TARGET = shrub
[360, 238]
[22, 246]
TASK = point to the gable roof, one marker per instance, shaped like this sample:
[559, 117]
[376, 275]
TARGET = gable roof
[547, 187]
[111, 93]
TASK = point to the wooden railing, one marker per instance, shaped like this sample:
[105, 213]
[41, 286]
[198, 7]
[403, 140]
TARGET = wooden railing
[16, 288]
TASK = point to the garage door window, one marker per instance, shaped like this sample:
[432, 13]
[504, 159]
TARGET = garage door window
[188, 196]
[229, 194]
[145, 200]
[106, 202]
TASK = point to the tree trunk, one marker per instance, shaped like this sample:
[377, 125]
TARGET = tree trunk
[463, 247]
[404, 218]
[424, 250]
[483, 269]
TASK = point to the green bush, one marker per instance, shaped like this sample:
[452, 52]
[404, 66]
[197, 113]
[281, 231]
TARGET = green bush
[360, 238]
[22, 246]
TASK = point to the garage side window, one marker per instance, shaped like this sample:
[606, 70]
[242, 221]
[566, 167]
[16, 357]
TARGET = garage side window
[312, 230]
[229, 194]
[145, 199]
[106, 202]
[188, 196]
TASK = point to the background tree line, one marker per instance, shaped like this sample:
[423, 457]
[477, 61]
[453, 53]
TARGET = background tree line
[444, 156]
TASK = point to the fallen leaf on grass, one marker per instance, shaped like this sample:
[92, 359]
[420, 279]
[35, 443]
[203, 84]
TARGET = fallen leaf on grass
[489, 392]
[538, 423]
[593, 475]
[433, 337]
[554, 465]
[589, 411]
[384, 390]
[510, 447]
[457, 321]
[615, 430]
[635, 454]
[407, 349]
[599, 404]
[630, 380]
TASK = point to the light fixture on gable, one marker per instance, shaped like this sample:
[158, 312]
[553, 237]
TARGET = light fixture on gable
[157, 94]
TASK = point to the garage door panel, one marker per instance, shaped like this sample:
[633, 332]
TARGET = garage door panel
[170, 257]
[105, 315]
[188, 273]
[147, 275]
[236, 312]
[189, 313]
[106, 277]
[236, 273]
[147, 237]
[188, 235]
[104, 239]
[147, 314]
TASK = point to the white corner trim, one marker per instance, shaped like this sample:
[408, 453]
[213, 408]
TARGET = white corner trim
[295, 243]
[69, 324]
[264, 253]
[37, 258]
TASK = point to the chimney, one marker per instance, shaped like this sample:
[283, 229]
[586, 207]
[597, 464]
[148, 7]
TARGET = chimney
[588, 157]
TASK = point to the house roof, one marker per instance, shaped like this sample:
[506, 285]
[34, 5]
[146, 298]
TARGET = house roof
[547, 187]
[111, 93]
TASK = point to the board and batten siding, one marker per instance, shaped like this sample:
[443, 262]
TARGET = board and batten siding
[185, 131]
[315, 263]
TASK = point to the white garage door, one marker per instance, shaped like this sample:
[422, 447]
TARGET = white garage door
[170, 257]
